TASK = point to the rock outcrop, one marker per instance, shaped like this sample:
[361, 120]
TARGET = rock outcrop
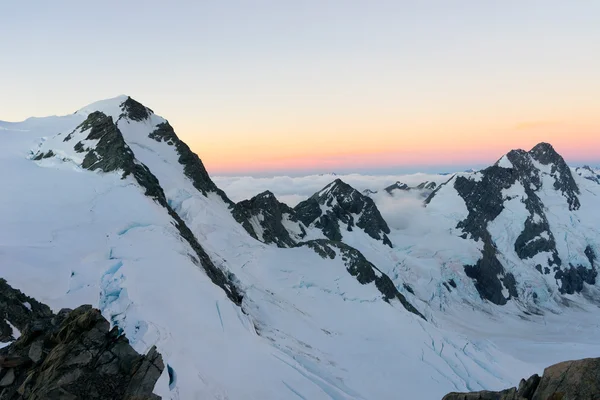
[71, 355]
[569, 380]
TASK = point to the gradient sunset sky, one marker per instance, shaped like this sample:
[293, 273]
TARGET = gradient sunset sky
[292, 87]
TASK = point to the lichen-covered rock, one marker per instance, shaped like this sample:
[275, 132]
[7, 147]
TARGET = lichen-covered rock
[75, 355]
[70, 355]
[569, 380]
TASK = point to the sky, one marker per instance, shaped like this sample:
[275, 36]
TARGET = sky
[268, 87]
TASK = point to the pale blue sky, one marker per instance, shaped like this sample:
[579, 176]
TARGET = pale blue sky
[256, 77]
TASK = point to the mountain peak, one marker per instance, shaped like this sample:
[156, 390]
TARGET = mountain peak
[545, 154]
[338, 183]
[336, 188]
[529, 176]
[397, 186]
[268, 220]
[266, 194]
[135, 110]
[116, 107]
[339, 205]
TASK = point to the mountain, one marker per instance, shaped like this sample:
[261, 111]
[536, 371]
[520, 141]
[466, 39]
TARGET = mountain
[257, 299]
[396, 186]
[588, 172]
[270, 221]
[339, 207]
[427, 185]
[527, 215]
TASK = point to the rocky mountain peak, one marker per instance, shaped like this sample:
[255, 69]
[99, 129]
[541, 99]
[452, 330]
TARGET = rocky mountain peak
[337, 188]
[99, 144]
[530, 177]
[589, 173]
[542, 160]
[267, 219]
[427, 185]
[135, 110]
[545, 154]
[338, 206]
[397, 186]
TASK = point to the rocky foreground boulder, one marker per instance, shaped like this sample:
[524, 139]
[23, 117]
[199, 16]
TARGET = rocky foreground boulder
[72, 355]
[569, 380]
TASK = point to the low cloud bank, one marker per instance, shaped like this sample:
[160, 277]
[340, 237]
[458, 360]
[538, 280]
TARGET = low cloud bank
[398, 209]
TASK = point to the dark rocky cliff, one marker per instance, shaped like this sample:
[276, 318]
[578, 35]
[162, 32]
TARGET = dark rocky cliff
[569, 380]
[71, 355]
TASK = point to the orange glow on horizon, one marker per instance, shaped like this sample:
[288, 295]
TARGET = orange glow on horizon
[389, 150]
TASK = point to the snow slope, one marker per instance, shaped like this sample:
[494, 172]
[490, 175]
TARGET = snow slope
[305, 329]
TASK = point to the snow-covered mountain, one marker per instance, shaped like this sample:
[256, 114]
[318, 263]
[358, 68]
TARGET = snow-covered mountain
[537, 225]
[322, 300]
[339, 207]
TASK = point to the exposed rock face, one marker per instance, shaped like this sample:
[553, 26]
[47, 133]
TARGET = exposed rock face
[545, 154]
[192, 165]
[589, 173]
[134, 110]
[359, 267]
[263, 217]
[106, 150]
[426, 185]
[71, 355]
[564, 381]
[486, 193]
[18, 310]
[340, 204]
[396, 186]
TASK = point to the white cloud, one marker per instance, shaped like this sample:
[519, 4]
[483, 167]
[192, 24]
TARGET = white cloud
[292, 190]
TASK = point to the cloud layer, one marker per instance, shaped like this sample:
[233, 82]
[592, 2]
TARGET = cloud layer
[398, 209]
